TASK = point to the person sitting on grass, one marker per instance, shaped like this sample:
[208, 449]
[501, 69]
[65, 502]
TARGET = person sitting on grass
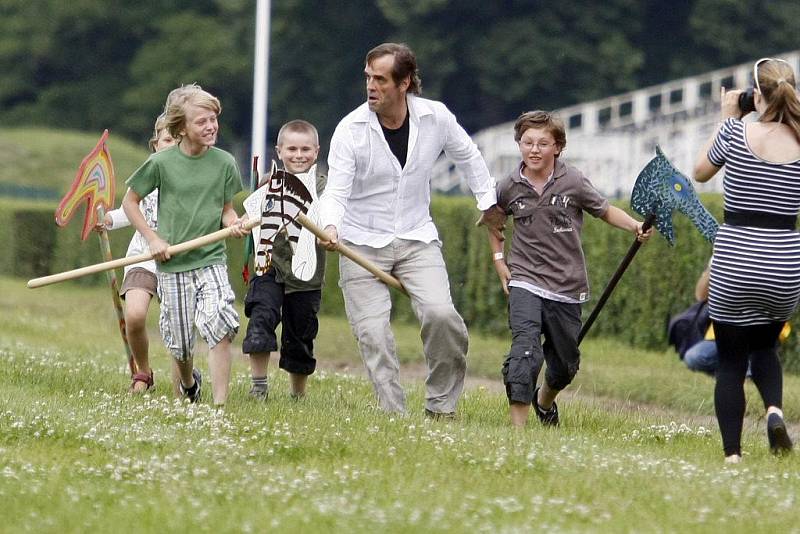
[278, 296]
[196, 183]
[545, 278]
[685, 329]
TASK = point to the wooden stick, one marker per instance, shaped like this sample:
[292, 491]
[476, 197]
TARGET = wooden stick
[105, 248]
[647, 223]
[207, 239]
[349, 253]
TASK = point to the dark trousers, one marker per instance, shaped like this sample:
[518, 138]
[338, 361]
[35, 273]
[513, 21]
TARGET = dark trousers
[266, 305]
[734, 345]
[530, 317]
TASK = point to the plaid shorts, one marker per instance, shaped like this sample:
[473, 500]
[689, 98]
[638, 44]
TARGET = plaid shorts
[201, 297]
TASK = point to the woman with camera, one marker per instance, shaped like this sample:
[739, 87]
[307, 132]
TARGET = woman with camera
[755, 268]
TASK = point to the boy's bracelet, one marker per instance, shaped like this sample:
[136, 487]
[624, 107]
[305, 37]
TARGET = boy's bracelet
[497, 256]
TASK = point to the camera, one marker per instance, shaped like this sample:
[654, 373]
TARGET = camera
[747, 101]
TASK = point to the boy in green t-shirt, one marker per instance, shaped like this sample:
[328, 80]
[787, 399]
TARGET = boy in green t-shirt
[196, 184]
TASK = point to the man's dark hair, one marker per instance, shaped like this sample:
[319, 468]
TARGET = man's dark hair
[405, 64]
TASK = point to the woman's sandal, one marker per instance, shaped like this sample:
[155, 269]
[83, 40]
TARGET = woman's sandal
[145, 378]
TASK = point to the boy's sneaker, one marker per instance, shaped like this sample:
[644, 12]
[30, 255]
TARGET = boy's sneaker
[258, 393]
[260, 388]
[547, 417]
[193, 393]
[779, 440]
[440, 416]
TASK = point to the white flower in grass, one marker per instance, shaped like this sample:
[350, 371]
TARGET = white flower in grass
[8, 472]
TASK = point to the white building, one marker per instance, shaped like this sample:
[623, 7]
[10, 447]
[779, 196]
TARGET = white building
[612, 139]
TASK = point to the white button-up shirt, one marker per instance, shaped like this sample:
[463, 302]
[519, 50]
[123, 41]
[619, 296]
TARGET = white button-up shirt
[371, 200]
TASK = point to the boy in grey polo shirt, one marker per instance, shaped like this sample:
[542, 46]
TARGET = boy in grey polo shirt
[545, 278]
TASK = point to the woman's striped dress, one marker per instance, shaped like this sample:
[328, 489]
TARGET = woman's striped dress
[755, 272]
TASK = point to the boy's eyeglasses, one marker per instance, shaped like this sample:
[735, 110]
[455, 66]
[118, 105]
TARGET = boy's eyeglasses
[527, 145]
[758, 63]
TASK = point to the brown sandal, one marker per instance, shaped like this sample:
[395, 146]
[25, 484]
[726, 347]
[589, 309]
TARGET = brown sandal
[145, 378]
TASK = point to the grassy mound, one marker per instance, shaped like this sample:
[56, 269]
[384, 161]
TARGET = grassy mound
[43, 162]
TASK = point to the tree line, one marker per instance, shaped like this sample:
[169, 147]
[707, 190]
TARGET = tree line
[91, 65]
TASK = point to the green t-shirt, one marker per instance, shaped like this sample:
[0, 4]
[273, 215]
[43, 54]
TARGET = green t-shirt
[192, 191]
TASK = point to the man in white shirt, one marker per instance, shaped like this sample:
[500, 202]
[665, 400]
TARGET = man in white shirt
[377, 201]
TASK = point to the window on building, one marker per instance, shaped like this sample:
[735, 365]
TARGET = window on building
[704, 90]
[576, 121]
[676, 96]
[654, 102]
[626, 109]
[604, 116]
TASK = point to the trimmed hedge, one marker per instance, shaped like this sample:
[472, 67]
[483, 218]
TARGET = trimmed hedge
[35, 246]
[658, 283]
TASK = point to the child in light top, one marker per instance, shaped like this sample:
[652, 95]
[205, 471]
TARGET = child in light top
[139, 284]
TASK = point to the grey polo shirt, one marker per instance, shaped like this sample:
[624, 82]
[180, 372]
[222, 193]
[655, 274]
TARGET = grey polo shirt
[546, 248]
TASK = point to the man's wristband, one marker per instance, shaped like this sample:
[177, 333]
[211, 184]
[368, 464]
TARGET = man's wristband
[497, 256]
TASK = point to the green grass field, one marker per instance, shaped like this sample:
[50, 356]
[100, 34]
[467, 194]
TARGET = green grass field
[637, 450]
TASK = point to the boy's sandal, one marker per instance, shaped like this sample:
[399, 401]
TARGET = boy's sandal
[145, 378]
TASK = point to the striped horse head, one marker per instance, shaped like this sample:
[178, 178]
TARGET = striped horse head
[286, 197]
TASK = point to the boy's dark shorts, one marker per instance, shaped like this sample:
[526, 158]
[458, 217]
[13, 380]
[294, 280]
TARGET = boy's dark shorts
[530, 317]
[266, 305]
[262, 305]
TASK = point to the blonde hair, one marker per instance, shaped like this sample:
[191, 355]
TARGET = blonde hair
[298, 126]
[161, 123]
[177, 101]
[776, 81]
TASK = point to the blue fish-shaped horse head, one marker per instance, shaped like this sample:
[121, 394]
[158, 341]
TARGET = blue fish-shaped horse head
[661, 189]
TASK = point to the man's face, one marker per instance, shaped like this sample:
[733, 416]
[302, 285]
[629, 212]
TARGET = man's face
[298, 151]
[200, 127]
[383, 95]
[538, 149]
